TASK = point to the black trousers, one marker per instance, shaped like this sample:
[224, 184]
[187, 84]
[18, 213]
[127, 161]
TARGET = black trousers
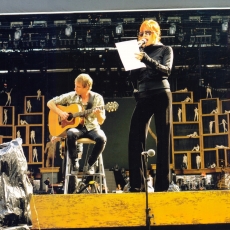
[97, 135]
[161, 106]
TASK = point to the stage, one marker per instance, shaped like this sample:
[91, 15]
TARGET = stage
[170, 210]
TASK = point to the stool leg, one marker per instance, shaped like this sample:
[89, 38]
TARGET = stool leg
[67, 172]
[102, 174]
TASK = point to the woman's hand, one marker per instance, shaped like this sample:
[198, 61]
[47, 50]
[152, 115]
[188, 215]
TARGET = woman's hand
[139, 55]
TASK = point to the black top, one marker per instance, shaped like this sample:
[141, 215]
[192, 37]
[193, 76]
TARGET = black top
[154, 77]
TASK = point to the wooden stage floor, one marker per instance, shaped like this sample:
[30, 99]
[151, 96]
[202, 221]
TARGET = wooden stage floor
[171, 210]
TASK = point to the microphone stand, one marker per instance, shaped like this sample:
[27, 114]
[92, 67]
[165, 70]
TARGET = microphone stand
[147, 209]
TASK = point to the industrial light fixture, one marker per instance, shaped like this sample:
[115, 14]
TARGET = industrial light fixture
[181, 36]
[79, 41]
[215, 18]
[68, 30]
[40, 24]
[172, 29]
[192, 39]
[59, 22]
[105, 21]
[82, 21]
[224, 25]
[174, 19]
[42, 43]
[17, 34]
[128, 20]
[54, 40]
[16, 25]
[194, 18]
[119, 29]
[88, 38]
[106, 39]
[5, 45]
[217, 36]
[16, 43]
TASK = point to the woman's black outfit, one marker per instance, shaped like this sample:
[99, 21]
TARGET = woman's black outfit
[154, 98]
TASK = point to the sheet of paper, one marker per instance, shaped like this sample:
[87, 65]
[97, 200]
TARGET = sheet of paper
[127, 50]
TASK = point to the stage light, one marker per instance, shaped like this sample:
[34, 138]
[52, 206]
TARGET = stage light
[16, 43]
[59, 22]
[119, 29]
[40, 24]
[54, 40]
[88, 38]
[172, 29]
[128, 20]
[16, 25]
[105, 20]
[181, 36]
[5, 45]
[68, 30]
[192, 39]
[224, 26]
[173, 19]
[42, 43]
[217, 36]
[79, 41]
[106, 39]
[17, 34]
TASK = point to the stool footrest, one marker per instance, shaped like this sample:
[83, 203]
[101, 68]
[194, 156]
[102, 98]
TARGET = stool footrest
[95, 174]
[71, 174]
[74, 173]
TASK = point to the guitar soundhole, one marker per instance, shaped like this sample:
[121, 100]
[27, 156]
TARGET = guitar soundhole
[70, 117]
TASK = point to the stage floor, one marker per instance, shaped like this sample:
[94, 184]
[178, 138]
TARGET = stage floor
[171, 210]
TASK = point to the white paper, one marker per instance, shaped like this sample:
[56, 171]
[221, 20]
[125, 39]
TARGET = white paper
[127, 50]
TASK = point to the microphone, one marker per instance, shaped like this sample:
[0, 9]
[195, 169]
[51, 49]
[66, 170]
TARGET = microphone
[150, 153]
[142, 42]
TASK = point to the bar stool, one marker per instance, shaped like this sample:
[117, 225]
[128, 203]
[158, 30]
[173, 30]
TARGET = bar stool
[99, 175]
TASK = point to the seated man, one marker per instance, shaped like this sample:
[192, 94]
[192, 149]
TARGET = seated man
[89, 127]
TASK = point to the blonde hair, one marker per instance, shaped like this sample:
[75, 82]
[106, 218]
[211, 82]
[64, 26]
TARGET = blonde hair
[85, 80]
[152, 26]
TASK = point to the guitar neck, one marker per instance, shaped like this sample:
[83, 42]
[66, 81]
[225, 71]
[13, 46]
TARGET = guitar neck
[85, 112]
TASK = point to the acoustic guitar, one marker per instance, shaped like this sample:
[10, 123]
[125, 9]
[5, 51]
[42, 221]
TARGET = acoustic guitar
[57, 126]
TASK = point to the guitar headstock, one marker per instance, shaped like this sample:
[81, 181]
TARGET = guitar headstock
[111, 106]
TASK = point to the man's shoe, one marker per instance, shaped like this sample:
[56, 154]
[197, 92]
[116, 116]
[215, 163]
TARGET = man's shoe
[173, 188]
[91, 170]
[75, 167]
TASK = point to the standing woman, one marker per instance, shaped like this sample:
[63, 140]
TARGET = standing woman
[154, 98]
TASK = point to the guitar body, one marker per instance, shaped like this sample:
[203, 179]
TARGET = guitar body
[57, 126]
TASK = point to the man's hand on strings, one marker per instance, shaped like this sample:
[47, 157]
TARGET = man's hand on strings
[64, 115]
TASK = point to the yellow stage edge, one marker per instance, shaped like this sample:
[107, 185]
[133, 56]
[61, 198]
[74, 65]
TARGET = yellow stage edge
[129, 209]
